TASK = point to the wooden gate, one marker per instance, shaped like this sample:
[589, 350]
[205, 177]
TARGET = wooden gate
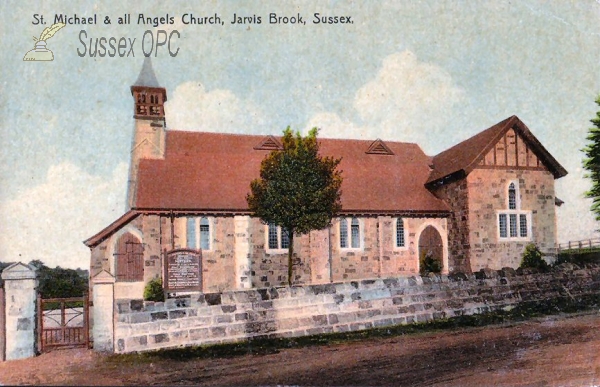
[63, 322]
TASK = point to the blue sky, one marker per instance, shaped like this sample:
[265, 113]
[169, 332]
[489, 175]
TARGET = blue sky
[431, 72]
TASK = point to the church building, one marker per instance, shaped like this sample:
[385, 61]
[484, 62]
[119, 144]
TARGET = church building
[473, 206]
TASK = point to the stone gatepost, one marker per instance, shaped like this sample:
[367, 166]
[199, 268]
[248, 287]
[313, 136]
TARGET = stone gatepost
[20, 287]
[2, 325]
[103, 311]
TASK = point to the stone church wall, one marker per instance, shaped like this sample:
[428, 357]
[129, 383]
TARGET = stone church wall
[218, 271]
[270, 267]
[234, 316]
[378, 256]
[362, 262]
[238, 258]
[488, 191]
[400, 261]
[102, 258]
[456, 195]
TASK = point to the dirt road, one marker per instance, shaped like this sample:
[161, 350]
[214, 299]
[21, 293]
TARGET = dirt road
[551, 351]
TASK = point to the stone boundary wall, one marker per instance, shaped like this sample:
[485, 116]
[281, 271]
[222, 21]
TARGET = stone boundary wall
[338, 307]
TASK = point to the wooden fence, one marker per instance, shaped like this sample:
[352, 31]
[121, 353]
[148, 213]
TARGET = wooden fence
[582, 246]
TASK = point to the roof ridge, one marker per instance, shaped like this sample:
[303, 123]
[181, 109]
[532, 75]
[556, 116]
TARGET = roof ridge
[479, 134]
[277, 136]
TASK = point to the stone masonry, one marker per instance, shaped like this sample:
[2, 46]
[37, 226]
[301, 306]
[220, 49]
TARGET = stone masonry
[20, 288]
[488, 195]
[456, 195]
[238, 258]
[233, 316]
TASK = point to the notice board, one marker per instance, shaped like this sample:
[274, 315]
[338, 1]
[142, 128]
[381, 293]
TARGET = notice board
[183, 270]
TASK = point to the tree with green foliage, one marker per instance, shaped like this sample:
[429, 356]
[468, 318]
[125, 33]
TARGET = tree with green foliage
[4, 265]
[532, 258]
[59, 282]
[298, 189]
[592, 162]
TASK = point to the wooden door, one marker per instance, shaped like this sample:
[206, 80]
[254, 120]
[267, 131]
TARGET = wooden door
[129, 259]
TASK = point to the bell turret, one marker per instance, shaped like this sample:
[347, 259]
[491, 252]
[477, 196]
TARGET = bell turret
[148, 140]
[149, 98]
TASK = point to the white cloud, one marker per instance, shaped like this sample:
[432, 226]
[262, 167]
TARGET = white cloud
[333, 126]
[49, 221]
[404, 89]
[194, 108]
[407, 100]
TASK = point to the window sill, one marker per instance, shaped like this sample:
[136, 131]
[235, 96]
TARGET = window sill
[276, 251]
[514, 239]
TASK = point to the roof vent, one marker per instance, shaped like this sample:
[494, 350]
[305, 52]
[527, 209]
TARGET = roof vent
[269, 143]
[378, 147]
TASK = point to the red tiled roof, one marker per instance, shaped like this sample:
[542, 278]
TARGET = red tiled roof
[213, 171]
[465, 155]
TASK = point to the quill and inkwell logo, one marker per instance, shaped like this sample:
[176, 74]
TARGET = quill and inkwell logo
[40, 52]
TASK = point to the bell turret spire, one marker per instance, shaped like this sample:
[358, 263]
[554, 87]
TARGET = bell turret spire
[147, 77]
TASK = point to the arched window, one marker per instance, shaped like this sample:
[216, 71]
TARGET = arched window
[191, 233]
[285, 238]
[277, 237]
[400, 242]
[355, 228]
[273, 238]
[350, 239]
[204, 234]
[343, 233]
[512, 197]
[129, 258]
[198, 233]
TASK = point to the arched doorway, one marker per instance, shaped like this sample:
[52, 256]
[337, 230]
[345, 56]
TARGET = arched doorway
[129, 258]
[431, 248]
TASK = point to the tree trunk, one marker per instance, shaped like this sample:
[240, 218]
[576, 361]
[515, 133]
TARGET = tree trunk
[290, 253]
